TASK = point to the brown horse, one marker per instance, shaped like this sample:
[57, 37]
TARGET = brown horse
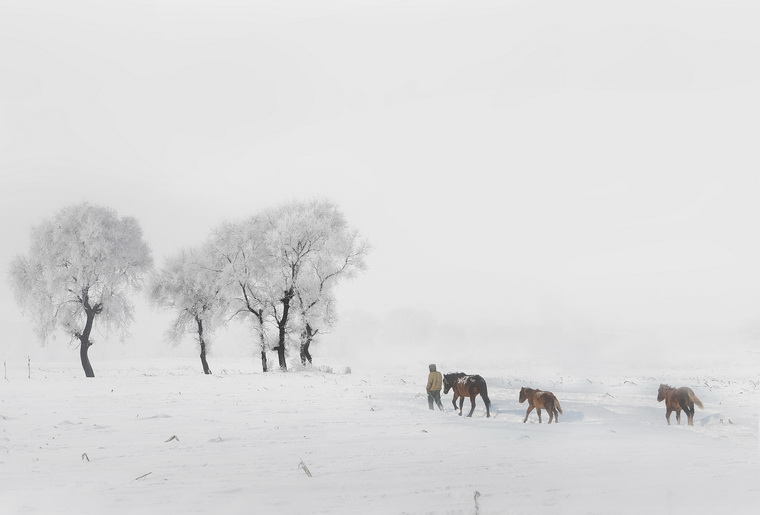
[677, 399]
[466, 386]
[540, 400]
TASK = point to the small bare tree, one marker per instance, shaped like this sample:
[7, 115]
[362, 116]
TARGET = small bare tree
[82, 265]
[192, 287]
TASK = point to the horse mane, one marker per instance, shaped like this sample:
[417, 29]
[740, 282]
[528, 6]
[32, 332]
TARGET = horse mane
[451, 378]
[663, 391]
[525, 392]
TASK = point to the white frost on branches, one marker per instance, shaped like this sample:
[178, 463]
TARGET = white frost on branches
[84, 258]
[312, 248]
[190, 286]
[281, 267]
[339, 253]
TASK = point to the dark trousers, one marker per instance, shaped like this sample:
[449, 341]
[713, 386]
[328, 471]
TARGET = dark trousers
[435, 395]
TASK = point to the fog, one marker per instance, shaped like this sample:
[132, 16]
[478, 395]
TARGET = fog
[574, 180]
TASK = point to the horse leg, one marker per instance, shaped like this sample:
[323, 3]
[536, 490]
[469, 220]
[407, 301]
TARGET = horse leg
[678, 416]
[530, 408]
[550, 410]
[668, 411]
[689, 414]
[461, 403]
[472, 400]
[454, 401]
[538, 410]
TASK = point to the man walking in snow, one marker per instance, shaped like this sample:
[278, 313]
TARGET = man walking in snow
[434, 385]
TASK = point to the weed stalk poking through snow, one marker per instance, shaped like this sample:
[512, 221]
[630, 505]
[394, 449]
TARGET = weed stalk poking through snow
[303, 466]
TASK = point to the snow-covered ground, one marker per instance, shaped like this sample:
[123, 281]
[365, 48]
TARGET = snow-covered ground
[163, 438]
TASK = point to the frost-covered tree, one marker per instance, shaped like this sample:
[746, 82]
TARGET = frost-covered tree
[81, 266]
[310, 247]
[340, 256]
[191, 286]
[247, 269]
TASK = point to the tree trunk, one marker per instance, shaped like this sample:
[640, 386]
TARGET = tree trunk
[307, 335]
[260, 316]
[206, 370]
[83, 347]
[85, 343]
[259, 313]
[282, 326]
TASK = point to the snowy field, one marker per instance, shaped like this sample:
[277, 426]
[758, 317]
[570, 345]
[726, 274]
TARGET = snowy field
[162, 438]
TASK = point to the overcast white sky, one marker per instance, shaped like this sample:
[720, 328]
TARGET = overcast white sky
[575, 169]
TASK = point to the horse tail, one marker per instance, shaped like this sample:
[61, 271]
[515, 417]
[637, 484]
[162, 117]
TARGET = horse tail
[556, 404]
[484, 391]
[693, 398]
